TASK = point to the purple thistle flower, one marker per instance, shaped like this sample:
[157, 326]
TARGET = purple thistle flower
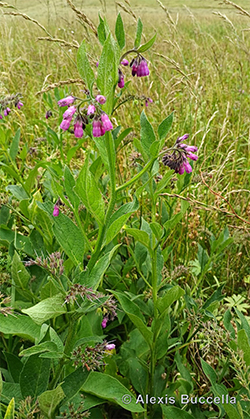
[106, 123]
[100, 99]
[56, 211]
[91, 110]
[125, 62]
[68, 114]
[6, 111]
[104, 322]
[97, 129]
[69, 100]
[78, 128]
[65, 124]
[110, 346]
[142, 69]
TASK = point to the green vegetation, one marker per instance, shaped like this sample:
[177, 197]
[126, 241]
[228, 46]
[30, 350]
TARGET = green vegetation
[162, 258]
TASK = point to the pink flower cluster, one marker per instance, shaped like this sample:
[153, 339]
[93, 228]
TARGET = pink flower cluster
[139, 67]
[101, 122]
[7, 110]
[178, 159]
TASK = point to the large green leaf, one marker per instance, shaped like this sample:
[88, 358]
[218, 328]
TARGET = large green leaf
[147, 134]
[138, 33]
[170, 412]
[20, 276]
[119, 31]
[19, 325]
[69, 183]
[34, 377]
[140, 236]
[94, 278]
[169, 298]
[88, 191]
[47, 309]
[49, 400]
[108, 72]
[37, 349]
[148, 45]
[14, 145]
[73, 383]
[133, 312]
[165, 126]
[110, 389]
[15, 366]
[170, 224]
[84, 67]
[119, 218]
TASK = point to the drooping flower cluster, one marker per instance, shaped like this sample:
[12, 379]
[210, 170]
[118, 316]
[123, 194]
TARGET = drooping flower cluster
[178, 159]
[8, 102]
[90, 357]
[139, 68]
[92, 114]
[53, 263]
[109, 310]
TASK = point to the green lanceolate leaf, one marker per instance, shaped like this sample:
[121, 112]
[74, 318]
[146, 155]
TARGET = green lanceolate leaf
[17, 191]
[119, 32]
[243, 345]
[133, 312]
[119, 218]
[96, 274]
[138, 33]
[109, 388]
[169, 298]
[108, 72]
[19, 274]
[73, 383]
[101, 31]
[9, 414]
[148, 45]
[88, 191]
[170, 224]
[140, 236]
[69, 183]
[34, 377]
[49, 400]
[38, 349]
[19, 325]
[147, 134]
[84, 67]
[14, 145]
[165, 126]
[47, 309]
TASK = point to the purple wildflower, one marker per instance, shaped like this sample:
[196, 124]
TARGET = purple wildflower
[68, 114]
[65, 124]
[48, 114]
[19, 105]
[91, 110]
[148, 100]
[97, 63]
[142, 69]
[97, 128]
[100, 99]
[69, 100]
[106, 123]
[125, 62]
[120, 79]
[56, 211]
[134, 65]
[78, 128]
[177, 160]
[104, 322]
[110, 346]
[6, 111]
[1, 116]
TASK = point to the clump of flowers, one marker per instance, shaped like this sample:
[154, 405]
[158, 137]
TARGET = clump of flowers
[8, 102]
[139, 66]
[178, 159]
[53, 263]
[90, 357]
[86, 115]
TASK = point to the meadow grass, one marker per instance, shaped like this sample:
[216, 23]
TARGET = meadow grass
[199, 69]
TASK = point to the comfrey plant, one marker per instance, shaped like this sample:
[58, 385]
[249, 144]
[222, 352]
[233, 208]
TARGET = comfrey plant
[83, 305]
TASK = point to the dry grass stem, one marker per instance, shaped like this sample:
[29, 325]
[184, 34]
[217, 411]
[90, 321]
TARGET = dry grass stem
[62, 42]
[26, 17]
[129, 11]
[236, 6]
[59, 84]
[83, 17]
